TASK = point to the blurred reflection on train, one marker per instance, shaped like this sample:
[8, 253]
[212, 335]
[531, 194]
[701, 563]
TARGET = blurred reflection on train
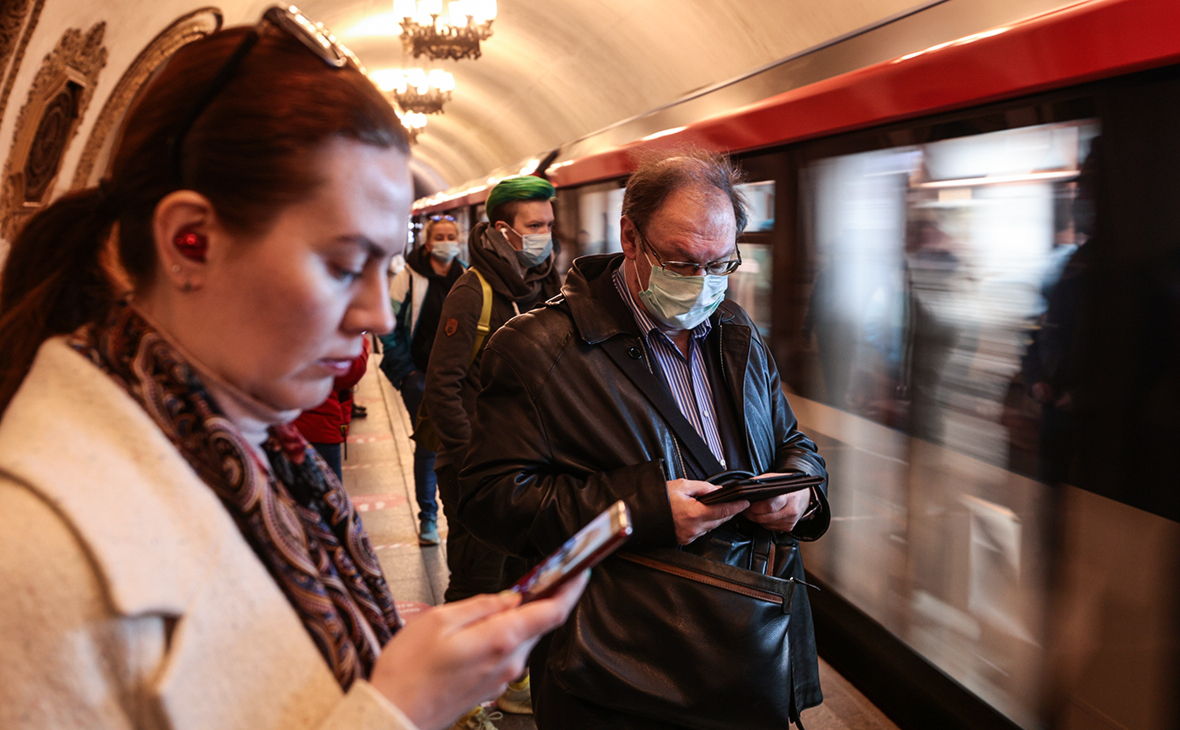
[977, 314]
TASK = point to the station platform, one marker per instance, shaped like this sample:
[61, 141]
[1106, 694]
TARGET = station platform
[378, 474]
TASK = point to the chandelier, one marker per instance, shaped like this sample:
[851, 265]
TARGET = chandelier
[455, 34]
[414, 122]
[416, 90]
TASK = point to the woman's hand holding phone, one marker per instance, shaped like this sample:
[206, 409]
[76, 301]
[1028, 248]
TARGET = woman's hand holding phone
[456, 655]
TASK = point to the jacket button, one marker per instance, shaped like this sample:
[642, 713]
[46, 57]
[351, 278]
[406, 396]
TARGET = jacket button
[635, 353]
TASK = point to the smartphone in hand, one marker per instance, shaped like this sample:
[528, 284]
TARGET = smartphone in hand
[602, 536]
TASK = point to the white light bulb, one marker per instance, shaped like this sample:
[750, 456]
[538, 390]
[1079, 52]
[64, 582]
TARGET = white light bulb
[405, 8]
[458, 14]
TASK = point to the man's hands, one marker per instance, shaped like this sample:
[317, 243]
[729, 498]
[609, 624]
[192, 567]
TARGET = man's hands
[781, 512]
[456, 655]
[693, 519]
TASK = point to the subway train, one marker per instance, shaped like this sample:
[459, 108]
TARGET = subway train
[964, 252]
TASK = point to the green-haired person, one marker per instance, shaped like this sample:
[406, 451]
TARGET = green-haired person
[512, 262]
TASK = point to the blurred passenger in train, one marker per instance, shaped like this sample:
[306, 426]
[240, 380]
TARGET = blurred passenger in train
[835, 335]
[638, 384]
[175, 554]
[932, 273]
[417, 293]
[1052, 364]
[511, 272]
[325, 427]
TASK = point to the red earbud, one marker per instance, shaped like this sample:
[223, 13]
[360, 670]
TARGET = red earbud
[191, 245]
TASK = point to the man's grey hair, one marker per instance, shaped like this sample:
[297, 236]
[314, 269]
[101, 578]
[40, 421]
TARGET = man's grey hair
[657, 177]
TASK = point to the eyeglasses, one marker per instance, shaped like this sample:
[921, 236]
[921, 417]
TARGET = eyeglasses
[437, 218]
[289, 19]
[724, 267]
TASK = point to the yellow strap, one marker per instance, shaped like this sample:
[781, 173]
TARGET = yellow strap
[485, 316]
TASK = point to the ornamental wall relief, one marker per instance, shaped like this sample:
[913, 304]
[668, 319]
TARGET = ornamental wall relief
[59, 96]
[18, 18]
[96, 153]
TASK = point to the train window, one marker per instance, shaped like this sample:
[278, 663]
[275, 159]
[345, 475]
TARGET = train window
[589, 217]
[931, 265]
[751, 287]
[760, 200]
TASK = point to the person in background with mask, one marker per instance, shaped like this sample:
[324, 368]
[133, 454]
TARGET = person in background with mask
[639, 383]
[417, 293]
[512, 254]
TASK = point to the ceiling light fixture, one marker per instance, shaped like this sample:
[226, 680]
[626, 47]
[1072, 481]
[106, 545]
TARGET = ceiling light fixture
[456, 34]
[414, 122]
[416, 90]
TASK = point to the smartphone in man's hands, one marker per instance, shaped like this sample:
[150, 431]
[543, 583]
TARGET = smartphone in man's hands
[755, 489]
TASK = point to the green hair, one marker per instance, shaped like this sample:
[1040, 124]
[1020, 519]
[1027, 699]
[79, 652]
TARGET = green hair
[513, 190]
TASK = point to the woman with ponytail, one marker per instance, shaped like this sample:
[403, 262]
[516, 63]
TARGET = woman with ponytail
[175, 554]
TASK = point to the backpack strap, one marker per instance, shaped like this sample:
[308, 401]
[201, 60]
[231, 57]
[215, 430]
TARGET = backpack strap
[485, 317]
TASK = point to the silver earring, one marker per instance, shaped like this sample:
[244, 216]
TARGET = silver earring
[175, 268]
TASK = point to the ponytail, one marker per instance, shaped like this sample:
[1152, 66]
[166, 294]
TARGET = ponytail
[53, 281]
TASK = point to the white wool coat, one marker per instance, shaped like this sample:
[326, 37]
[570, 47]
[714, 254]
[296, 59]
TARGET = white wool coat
[128, 598]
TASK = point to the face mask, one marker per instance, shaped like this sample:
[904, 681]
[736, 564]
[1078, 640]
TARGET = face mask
[536, 248]
[445, 251]
[682, 302]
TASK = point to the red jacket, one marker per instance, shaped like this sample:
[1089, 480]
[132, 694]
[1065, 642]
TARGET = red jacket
[328, 422]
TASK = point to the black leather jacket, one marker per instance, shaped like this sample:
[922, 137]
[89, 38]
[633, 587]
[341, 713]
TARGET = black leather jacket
[571, 419]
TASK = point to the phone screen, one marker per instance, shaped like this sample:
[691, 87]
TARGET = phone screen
[595, 541]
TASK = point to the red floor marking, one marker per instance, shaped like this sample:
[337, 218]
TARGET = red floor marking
[410, 610]
[370, 466]
[370, 438]
[367, 502]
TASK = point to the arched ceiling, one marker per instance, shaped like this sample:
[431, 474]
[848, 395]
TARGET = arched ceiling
[557, 70]
[553, 72]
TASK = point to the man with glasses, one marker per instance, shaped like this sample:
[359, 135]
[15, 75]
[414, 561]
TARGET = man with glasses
[639, 383]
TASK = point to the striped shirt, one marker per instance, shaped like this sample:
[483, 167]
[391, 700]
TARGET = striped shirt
[687, 378]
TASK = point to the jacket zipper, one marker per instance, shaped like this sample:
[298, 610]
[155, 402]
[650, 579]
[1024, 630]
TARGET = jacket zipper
[708, 580]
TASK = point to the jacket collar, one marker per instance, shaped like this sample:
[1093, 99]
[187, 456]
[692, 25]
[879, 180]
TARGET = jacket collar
[80, 442]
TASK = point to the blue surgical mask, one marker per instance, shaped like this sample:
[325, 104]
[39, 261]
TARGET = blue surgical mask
[535, 248]
[682, 302]
[445, 251]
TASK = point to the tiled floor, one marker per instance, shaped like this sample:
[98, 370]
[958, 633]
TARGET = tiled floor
[378, 473]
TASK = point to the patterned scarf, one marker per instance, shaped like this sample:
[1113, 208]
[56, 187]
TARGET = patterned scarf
[296, 517]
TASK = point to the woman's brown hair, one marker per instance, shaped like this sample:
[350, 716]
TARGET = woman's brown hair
[251, 152]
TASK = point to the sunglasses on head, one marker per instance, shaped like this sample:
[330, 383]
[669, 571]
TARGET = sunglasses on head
[437, 218]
